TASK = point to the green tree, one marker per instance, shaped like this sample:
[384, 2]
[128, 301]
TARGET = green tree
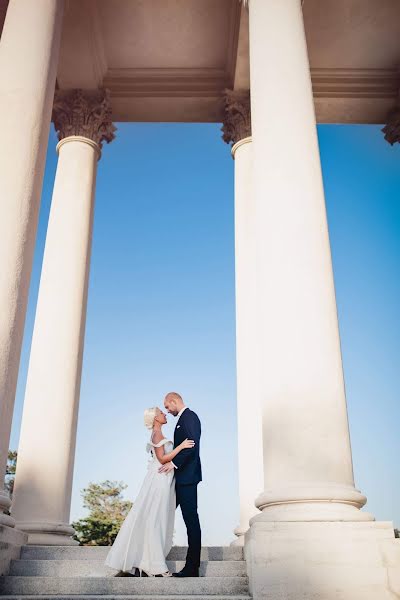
[107, 510]
[10, 471]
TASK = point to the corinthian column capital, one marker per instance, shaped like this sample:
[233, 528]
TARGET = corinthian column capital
[237, 121]
[392, 127]
[84, 113]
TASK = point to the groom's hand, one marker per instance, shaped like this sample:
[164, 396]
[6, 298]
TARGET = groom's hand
[166, 468]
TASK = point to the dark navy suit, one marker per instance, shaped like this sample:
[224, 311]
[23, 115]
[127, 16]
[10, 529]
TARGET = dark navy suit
[187, 476]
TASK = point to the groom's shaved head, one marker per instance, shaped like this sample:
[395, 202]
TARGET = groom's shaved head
[173, 402]
[174, 396]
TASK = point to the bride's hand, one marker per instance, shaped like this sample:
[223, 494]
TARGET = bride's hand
[187, 444]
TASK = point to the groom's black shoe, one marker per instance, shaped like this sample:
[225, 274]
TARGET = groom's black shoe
[125, 574]
[187, 573]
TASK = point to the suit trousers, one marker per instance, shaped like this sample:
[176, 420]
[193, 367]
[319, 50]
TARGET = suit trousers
[186, 498]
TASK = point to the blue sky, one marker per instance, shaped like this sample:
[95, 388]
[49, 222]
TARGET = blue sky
[161, 306]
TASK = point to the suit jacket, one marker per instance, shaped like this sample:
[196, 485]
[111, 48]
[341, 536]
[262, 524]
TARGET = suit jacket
[188, 463]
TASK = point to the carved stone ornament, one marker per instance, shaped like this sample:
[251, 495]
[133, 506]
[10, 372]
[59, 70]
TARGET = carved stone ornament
[84, 112]
[237, 121]
[392, 128]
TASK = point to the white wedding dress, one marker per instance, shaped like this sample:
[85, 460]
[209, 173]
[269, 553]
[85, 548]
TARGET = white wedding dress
[145, 537]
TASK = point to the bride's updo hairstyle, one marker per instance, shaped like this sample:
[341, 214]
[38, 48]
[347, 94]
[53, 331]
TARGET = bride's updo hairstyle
[149, 416]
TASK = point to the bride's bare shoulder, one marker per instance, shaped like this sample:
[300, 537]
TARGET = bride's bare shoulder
[157, 437]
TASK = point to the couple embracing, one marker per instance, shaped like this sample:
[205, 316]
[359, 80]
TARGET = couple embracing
[145, 537]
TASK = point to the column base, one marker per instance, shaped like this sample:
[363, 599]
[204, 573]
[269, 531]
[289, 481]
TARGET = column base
[7, 520]
[48, 534]
[312, 502]
[240, 533]
[5, 504]
[331, 561]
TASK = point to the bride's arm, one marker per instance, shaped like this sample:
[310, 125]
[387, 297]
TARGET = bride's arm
[164, 458]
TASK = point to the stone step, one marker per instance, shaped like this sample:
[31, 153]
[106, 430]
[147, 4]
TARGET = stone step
[126, 597]
[96, 568]
[100, 552]
[119, 586]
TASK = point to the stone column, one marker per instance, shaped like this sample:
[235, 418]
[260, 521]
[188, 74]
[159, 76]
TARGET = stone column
[308, 472]
[43, 483]
[237, 131]
[29, 49]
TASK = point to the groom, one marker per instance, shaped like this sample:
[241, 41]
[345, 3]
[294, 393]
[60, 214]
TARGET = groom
[187, 475]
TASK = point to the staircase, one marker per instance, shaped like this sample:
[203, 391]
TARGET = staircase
[73, 572]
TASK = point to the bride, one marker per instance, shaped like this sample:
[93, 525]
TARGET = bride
[145, 537]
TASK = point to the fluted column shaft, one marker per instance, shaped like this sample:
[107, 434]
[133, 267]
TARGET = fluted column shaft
[237, 131]
[308, 472]
[43, 483]
[29, 49]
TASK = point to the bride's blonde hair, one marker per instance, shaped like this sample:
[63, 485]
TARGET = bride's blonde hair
[149, 416]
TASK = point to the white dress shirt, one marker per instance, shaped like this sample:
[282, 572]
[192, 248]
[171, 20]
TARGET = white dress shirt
[179, 415]
[181, 411]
